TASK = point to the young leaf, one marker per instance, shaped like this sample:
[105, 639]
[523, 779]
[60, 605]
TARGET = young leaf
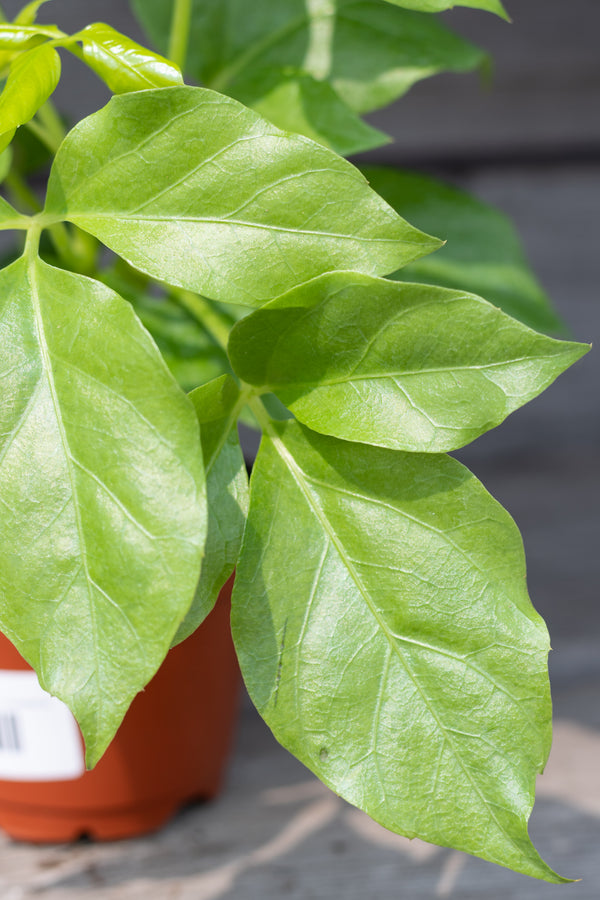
[103, 505]
[295, 101]
[384, 631]
[430, 6]
[21, 37]
[28, 14]
[241, 213]
[482, 253]
[121, 63]
[368, 51]
[404, 366]
[32, 78]
[216, 405]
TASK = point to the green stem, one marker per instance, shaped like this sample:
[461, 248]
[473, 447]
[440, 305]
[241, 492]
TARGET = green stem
[21, 192]
[180, 32]
[61, 238]
[58, 231]
[52, 122]
[261, 414]
[203, 311]
[43, 135]
[32, 244]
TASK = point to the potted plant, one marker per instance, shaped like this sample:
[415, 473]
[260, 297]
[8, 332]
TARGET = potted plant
[380, 614]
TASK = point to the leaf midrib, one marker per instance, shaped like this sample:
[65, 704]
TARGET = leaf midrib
[77, 218]
[401, 373]
[297, 474]
[48, 371]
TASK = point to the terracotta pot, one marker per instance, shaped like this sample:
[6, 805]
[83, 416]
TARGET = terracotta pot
[172, 748]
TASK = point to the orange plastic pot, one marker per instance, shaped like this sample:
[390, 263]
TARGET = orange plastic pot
[171, 748]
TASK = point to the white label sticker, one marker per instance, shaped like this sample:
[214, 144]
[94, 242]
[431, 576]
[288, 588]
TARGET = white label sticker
[39, 738]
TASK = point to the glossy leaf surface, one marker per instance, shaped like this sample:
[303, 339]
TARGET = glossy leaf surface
[32, 78]
[217, 408]
[122, 64]
[482, 253]
[409, 367]
[19, 37]
[295, 101]
[384, 631]
[369, 52]
[103, 504]
[430, 6]
[242, 211]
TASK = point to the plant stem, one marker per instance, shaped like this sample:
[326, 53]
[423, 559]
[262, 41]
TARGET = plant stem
[42, 134]
[20, 191]
[32, 243]
[58, 231]
[205, 314]
[261, 414]
[180, 32]
[52, 122]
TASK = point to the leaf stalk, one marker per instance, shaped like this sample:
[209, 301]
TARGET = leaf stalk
[180, 32]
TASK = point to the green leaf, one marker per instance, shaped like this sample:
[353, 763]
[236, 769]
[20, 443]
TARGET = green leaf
[295, 101]
[404, 366]
[28, 14]
[483, 253]
[103, 506]
[20, 37]
[287, 210]
[384, 631]
[9, 217]
[7, 213]
[381, 52]
[191, 353]
[121, 63]
[430, 6]
[217, 407]
[32, 78]
[370, 52]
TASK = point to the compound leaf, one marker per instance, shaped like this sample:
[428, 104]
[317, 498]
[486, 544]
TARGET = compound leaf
[102, 492]
[241, 213]
[404, 366]
[32, 78]
[384, 631]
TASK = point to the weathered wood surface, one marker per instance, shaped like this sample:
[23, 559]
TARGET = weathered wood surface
[277, 833]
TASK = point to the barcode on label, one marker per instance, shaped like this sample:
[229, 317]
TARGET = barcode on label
[9, 733]
[39, 739]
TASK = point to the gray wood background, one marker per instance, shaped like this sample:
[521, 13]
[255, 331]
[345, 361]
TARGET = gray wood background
[530, 144]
